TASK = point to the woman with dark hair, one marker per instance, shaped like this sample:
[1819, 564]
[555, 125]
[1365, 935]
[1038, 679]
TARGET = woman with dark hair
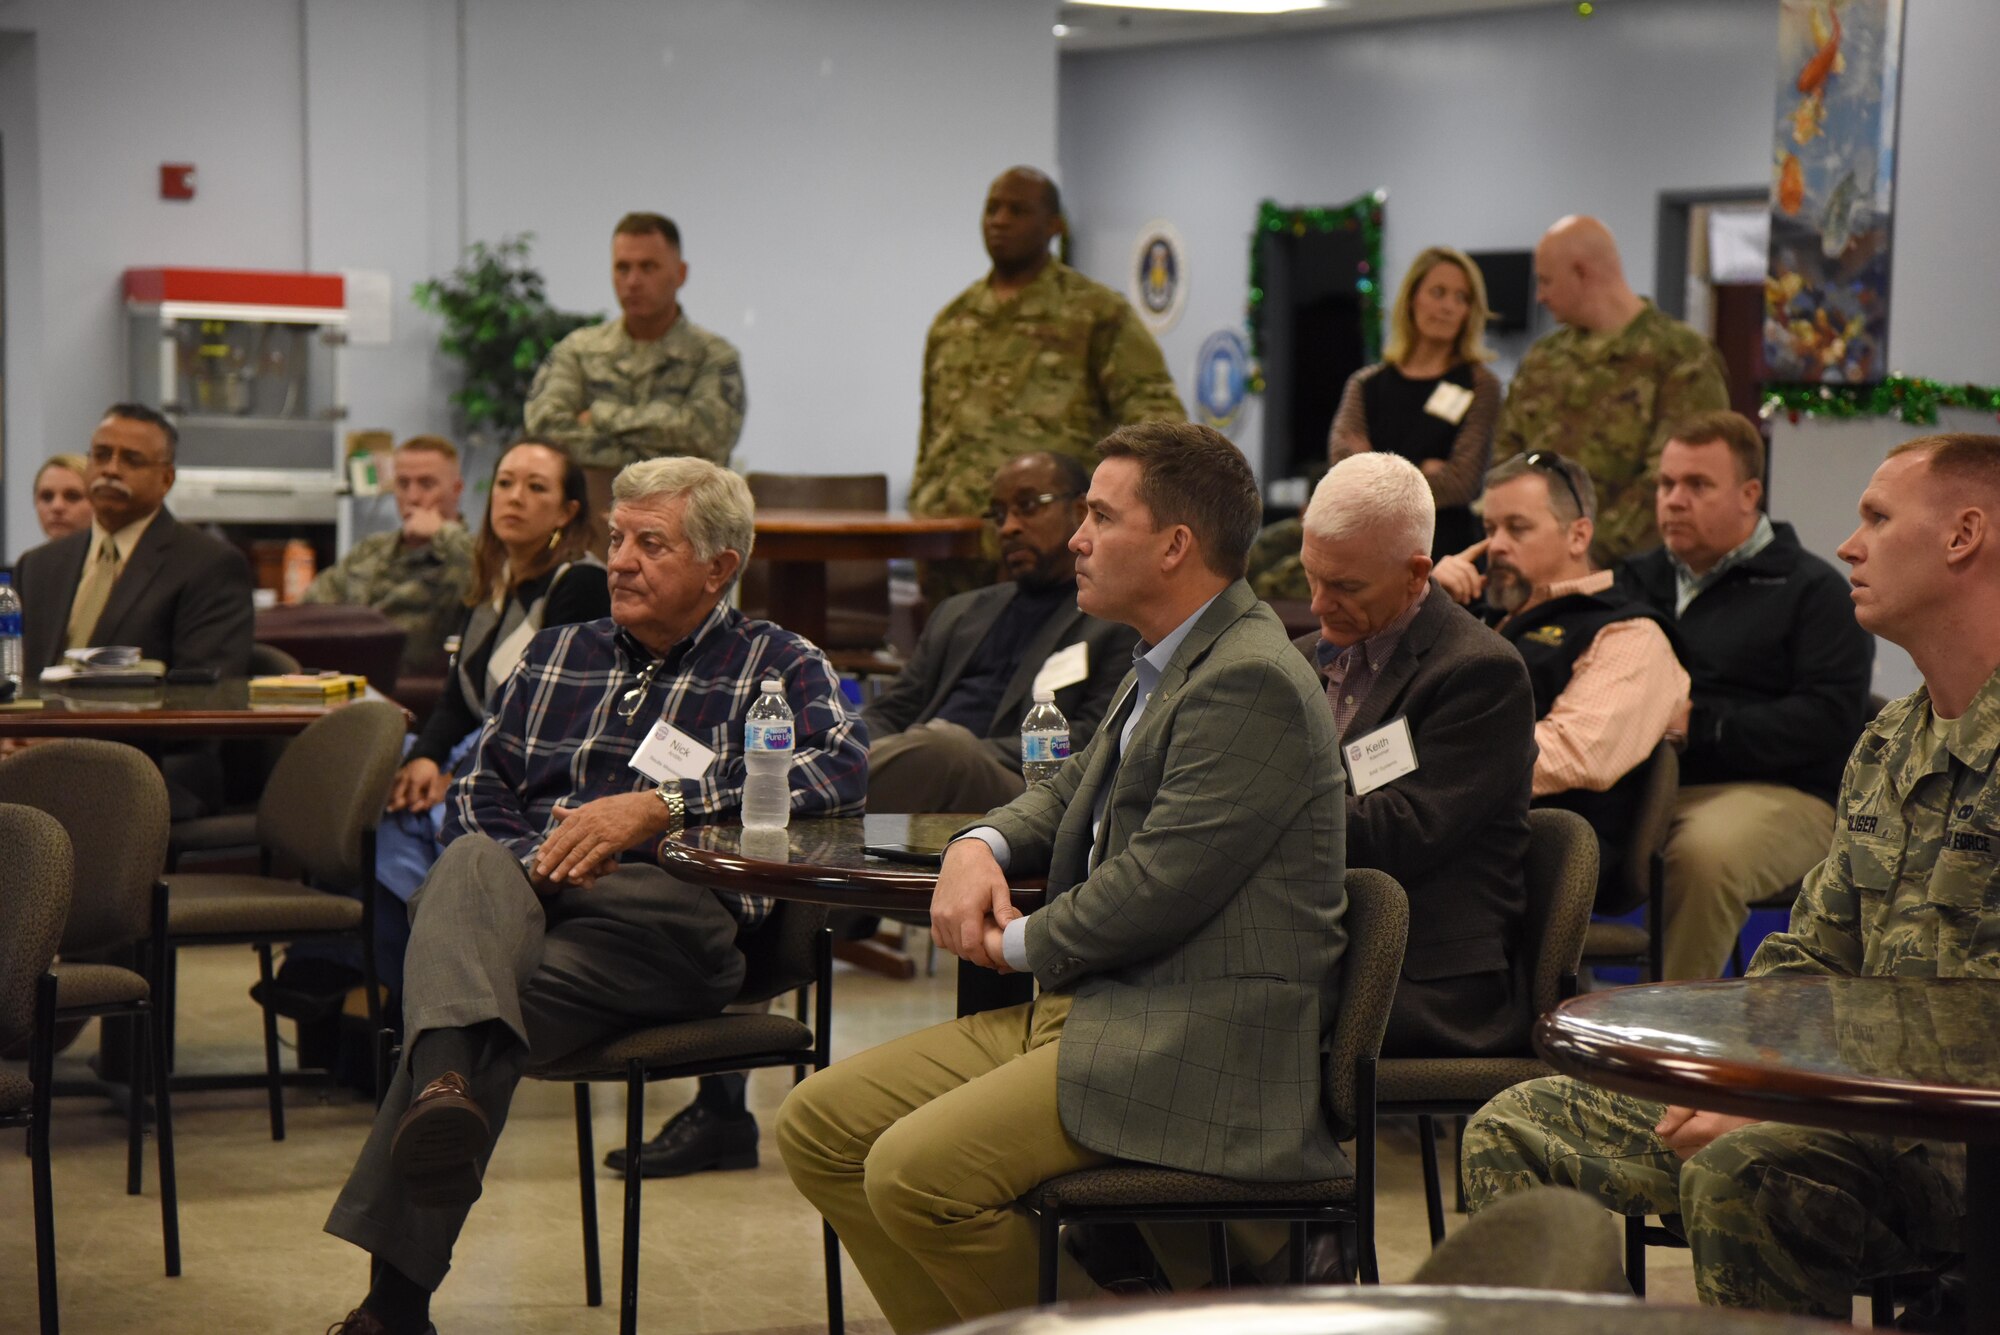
[1431, 398]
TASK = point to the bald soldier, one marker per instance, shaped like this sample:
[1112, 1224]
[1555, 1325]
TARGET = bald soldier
[1034, 356]
[1602, 389]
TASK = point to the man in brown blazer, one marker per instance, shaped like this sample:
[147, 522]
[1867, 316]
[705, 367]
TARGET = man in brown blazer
[1188, 951]
[1406, 668]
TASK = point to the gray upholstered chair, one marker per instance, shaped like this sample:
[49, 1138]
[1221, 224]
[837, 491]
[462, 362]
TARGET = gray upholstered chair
[247, 766]
[1562, 883]
[1378, 920]
[790, 951]
[317, 818]
[112, 804]
[34, 905]
[1542, 1238]
[1639, 876]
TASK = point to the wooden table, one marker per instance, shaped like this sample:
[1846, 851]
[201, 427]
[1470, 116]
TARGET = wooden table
[821, 862]
[1889, 1056]
[799, 543]
[219, 710]
[1391, 1310]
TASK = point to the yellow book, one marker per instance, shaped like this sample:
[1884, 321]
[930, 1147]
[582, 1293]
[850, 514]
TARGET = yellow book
[307, 686]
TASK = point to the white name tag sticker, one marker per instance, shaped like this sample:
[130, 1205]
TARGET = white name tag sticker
[1064, 667]
[1449, 402]
[668, 753]
[1380, 757]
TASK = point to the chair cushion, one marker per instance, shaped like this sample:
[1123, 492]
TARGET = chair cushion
[91, 985]
[201, 834]
[1451, 1079]
[1615, 940]
[16, 1093]
[1145, 1184]
[203, 904]
[718, 1038]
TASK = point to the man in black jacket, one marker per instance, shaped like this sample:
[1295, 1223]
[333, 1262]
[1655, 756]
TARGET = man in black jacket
[947, 733]
[1781, 673]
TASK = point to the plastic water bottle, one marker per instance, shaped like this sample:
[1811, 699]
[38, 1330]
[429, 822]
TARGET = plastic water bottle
[1044, 738]
[767, 756]
[10, 631]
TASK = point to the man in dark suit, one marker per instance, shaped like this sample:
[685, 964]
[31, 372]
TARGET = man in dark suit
[1441, 711]
[137, 577]
[947, 732]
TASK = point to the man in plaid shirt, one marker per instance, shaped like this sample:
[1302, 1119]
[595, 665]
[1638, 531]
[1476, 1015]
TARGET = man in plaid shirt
[548, 922]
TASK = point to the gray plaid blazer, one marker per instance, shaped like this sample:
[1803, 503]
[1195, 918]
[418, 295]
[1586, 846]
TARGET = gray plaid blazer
[1203, 949]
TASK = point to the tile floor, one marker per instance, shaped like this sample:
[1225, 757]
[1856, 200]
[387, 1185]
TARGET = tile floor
[725, 1252]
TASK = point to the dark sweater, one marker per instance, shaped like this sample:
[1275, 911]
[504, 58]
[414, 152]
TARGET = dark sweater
[1780, 668]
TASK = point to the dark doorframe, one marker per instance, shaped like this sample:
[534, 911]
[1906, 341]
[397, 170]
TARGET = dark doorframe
[1670, 238]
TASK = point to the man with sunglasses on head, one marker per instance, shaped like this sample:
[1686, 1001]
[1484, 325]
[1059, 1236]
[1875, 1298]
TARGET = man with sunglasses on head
[1607, 684]
[948, 730]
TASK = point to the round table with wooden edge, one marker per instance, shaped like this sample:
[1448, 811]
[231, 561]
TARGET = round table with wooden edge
[176, 712]
[799, 543]
[824, 862]
[1906, 1056]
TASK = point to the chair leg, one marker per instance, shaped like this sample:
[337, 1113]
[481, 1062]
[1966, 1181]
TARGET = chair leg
[1635, 1253]
[1218, 1256]
[586, 1165]
[1433, 1191]
[42, 1073]
[1048, 1234]
[1458, 1162]
[163, 1146]
[135, 1099]
[635, 1131]
[1297, 1272]
[274, 1081]
[1368, 1270]
[1882, 1303]
[836, 1315]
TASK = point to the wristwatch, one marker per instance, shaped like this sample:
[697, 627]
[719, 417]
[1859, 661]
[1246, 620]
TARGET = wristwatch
[670, 795]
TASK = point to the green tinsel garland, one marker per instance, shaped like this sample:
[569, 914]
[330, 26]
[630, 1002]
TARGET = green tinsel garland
[1365, 214]
[1912, 399]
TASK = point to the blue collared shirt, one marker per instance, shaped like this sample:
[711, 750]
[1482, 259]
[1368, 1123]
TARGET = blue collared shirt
[1149, 662]
[557, 734]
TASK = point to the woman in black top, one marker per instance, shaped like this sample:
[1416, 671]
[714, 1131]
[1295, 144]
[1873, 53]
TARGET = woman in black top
[1431, 398]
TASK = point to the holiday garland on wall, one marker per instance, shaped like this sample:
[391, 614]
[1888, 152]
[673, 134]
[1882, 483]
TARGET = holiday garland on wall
[1363, 214]
[1913, 399]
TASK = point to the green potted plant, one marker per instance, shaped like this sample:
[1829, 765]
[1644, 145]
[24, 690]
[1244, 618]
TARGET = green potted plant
[499, 323]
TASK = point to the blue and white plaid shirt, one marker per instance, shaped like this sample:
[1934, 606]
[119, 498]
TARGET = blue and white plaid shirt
[557, 735]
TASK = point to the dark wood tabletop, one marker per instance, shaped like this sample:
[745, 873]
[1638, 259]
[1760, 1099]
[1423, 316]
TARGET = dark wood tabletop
[797, 544]
[1895, 1056]
[159, 713]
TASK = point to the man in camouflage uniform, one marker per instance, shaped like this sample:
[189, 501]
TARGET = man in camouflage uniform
[1034, 356]
[416, 576]
[648, 384]
[1791, 1217]
[1602, 389]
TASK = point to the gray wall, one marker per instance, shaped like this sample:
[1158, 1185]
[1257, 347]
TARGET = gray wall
[826, 160]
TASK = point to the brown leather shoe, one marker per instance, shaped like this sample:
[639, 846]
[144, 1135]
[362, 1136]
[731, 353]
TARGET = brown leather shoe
[439, 1143]
[361, 1321]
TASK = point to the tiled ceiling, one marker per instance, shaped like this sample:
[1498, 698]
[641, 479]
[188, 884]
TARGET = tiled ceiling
[1096, 28]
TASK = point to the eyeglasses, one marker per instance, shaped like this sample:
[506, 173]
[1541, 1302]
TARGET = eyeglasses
[1551, 462]
[1025, 506]
[629, 703]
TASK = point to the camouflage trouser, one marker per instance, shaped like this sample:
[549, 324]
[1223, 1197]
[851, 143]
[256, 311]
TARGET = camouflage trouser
[1780, 1217]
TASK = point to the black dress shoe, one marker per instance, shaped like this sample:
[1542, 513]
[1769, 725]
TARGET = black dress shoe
[694, 1140]
[361, 1321]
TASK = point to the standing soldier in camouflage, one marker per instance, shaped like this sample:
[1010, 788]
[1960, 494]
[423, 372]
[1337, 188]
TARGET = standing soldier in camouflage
[646, 385]
[1602, 389]
[1034, 356]
[416, 576]
[1789, 1217]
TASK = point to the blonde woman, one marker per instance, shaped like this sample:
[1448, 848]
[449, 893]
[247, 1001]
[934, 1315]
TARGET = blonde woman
[62, 496]
[1431, 398]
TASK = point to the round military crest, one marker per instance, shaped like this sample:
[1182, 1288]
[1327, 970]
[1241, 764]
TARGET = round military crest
[1159, 275]
[1221, 378]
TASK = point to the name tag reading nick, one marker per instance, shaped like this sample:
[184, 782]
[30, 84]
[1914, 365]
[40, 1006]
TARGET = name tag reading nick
[668, 753]
[1448, 402]
[1065, 667]
[1380, 757]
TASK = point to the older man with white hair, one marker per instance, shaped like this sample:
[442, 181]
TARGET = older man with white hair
[1437, 727]
[548, 922]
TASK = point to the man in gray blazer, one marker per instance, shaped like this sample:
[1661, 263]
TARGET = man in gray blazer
[947, 732]
[1444, 709]
[1188, 951]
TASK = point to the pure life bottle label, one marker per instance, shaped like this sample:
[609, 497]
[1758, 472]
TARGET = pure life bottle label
[767, 736]
[1044, 747]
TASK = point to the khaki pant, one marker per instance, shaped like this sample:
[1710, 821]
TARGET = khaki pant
[939, 766]
[915, 1152]
[1731, 843]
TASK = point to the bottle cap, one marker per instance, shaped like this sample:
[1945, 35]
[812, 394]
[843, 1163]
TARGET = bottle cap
[1044, 696]
[772, 686]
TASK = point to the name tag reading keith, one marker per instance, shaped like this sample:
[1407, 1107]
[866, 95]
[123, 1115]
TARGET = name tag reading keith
[668, 753]
[1380, 757]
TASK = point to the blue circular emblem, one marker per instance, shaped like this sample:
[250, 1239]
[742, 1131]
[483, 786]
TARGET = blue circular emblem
[1221, 377]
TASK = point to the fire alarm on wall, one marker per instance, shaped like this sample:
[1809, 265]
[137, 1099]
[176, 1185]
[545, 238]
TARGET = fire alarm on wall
[176, 180]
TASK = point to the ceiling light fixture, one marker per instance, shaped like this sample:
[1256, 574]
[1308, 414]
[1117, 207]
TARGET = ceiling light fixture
[1211, 6]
